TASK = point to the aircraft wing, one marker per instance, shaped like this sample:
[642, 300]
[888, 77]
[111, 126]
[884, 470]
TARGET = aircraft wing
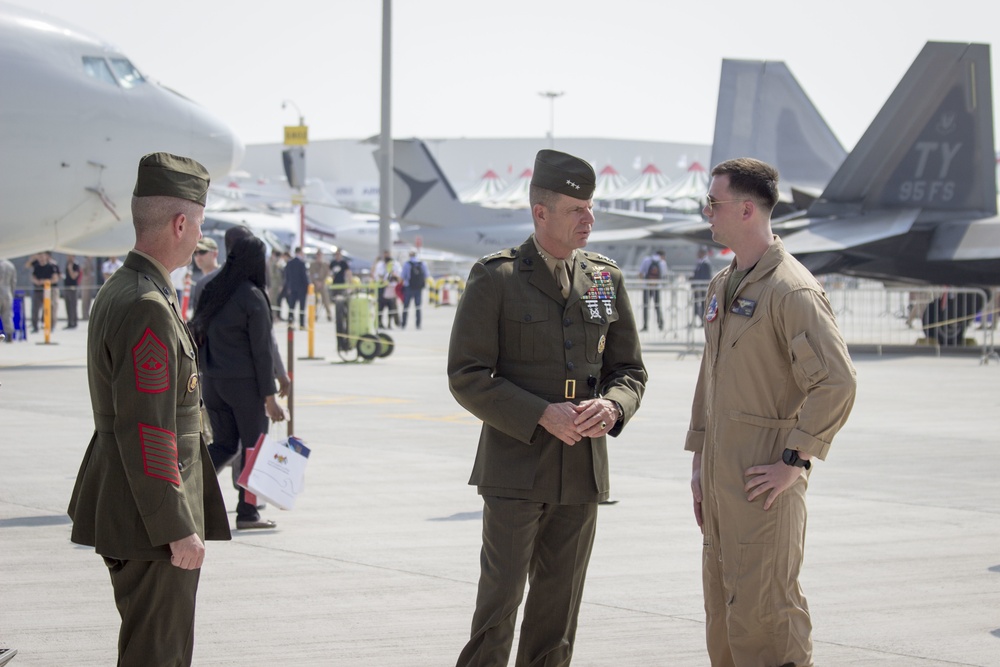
[967, 240]
[840, 234]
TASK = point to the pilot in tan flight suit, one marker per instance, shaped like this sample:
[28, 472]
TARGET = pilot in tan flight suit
[776, 385]
[147, 496]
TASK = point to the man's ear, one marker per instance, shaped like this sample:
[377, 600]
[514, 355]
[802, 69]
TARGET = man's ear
[540, 212]
[749, 208]
[178, 224]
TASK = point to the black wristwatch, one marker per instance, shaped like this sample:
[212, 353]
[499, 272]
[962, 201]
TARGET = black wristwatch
[791, 457]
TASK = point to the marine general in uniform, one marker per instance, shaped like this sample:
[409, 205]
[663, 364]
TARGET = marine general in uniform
[147, 496]
[544, 350]
[775, 387]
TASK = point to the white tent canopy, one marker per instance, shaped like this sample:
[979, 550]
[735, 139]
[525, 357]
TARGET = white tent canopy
[515, 195]
[609, 181]
[687, 194]
[651, 180]
[488, 187]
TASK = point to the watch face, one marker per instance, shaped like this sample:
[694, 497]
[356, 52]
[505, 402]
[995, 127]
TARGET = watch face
[791, 457]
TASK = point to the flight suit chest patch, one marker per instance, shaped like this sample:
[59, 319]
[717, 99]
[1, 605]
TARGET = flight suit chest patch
[742, 306]
[713, 309]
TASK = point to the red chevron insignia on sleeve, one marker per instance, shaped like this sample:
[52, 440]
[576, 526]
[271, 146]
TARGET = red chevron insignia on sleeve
[149, 358]
[159, 453]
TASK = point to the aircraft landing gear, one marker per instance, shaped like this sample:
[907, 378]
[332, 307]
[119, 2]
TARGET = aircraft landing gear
[946, 317]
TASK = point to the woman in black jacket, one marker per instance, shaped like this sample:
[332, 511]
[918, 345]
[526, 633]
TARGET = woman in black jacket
[232, 326]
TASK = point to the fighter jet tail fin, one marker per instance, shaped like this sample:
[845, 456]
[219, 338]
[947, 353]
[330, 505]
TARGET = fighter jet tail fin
[763, 112]
[931, 145]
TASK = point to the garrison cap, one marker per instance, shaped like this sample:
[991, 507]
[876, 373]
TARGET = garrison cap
[207, 243]
[167, 175]
[564, 173]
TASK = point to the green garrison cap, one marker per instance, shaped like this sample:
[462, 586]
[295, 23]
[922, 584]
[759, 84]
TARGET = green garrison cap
[564, 173]
[166, 175]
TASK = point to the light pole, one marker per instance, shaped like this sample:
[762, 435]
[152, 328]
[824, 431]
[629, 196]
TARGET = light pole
[552, 95]
[286, 103]
[385, 135]
[294, 156]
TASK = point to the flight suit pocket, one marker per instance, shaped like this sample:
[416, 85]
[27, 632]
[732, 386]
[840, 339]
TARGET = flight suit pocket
[807, 367]
[750, 607]
[525, 333]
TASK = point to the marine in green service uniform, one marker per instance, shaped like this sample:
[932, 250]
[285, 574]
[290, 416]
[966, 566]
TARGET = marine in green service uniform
[544, 350]
[147, 496]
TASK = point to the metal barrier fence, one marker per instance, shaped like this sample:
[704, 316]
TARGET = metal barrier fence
[870, 315]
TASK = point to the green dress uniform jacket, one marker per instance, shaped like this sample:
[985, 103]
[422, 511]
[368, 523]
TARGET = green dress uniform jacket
[146, 478]
[518, 345]
[775, 374]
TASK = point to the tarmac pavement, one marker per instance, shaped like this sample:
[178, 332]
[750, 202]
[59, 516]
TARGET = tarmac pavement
[377, 564]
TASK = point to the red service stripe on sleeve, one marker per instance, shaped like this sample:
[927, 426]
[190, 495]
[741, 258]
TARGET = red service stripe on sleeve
[149, 358]
[159, 453]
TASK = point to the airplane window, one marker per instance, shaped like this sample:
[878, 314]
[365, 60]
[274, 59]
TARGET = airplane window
[98, 68]
[128, 75]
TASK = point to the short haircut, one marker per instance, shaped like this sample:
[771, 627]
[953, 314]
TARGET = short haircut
[150, 215]
[751, 178]
[538, 195]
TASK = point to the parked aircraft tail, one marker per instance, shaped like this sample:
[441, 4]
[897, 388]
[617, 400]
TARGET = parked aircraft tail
[931, 145]
[423, 195]
[763, 112]
[916, 200]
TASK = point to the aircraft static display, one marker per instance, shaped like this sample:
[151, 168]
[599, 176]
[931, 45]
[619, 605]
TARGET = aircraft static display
[266, 207]
[916, 200]
[75, 117]
[763, 112]
[432, 215]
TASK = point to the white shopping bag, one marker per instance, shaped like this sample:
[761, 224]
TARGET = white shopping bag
[279, 471]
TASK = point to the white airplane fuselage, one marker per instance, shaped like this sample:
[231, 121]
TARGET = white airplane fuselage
[75, 117]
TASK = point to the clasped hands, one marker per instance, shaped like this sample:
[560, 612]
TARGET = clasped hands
[571, 423]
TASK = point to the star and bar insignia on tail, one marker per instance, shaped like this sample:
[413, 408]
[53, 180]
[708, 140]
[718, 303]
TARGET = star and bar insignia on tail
[150, 361]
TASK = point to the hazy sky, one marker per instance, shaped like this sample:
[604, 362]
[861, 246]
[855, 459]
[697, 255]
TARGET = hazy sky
[630, 69]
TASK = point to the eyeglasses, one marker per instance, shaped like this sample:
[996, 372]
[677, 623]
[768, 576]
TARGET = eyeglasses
[709, 203]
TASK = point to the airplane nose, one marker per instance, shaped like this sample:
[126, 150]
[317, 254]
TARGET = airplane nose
[215, 144]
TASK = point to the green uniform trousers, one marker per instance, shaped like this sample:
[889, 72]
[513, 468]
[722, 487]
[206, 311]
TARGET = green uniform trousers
[156, 603]
[549, 545]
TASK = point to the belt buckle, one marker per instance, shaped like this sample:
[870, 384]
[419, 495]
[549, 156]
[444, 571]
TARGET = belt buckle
[570, 389]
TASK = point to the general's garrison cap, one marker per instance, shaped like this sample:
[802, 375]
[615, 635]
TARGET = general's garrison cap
[564, 173]
[167, 175]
